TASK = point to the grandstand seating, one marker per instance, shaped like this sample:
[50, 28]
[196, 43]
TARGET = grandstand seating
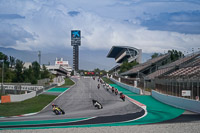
[145, 65]
[191, 60]
[186, 72]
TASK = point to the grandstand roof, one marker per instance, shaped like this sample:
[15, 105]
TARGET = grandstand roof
[123, 53]
[115, 50]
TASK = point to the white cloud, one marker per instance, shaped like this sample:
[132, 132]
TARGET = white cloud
[102, 27]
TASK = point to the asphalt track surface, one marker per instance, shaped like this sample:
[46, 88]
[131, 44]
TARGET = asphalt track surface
[77, 103]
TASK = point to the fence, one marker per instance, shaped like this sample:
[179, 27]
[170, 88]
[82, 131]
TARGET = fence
[179, 86]
[128, 87]
[136, 82]
[22, 87]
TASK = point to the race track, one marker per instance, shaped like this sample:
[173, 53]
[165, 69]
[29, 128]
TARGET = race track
[77, 103]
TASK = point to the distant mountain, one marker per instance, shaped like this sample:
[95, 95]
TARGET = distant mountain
[88, 59]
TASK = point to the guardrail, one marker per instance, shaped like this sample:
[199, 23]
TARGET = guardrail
[178, 102]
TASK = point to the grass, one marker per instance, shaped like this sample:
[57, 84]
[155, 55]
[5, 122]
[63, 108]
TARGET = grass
[28, 106]
[107, 80]
[68, 82]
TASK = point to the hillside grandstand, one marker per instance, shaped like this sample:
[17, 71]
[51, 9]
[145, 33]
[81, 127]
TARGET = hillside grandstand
[172, 78]
[172, 66]
[147, 67]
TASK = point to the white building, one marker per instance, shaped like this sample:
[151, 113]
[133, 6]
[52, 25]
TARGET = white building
[61, 68]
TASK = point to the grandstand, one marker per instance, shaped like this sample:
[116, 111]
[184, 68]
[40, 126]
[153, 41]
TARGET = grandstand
[147, 67]
[124, 53]
[168, 78]
[162, 70]
[184, 76]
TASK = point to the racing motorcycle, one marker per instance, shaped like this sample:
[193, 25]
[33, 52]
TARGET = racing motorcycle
[122, 96]
[113, 89]
[97, 104]
[57, 110]
[98, 86]
[116, 91]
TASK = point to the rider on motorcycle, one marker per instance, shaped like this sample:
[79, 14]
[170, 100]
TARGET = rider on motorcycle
[57, 110]
[98, 86]
[113, 89]
[116, 91]
[122, 96]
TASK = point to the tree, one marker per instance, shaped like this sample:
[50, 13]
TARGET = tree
[155, 55]
[12, 61]
[127, 66]
[18, 71]
[72, 73]
[175, 55]
[45, 73]
[36, 70]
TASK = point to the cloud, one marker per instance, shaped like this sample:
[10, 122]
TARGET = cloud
[11, 16]
[182, 22]
[73, 13]
[12, 34]
[153, 26]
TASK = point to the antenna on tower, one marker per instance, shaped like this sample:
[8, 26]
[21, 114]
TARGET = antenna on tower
[39, 56]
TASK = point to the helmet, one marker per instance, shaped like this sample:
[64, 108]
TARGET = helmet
[53, 105]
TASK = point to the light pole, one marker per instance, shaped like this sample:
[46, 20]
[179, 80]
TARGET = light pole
[143, 76]
[2, 79]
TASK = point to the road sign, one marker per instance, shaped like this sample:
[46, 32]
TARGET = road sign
[186, 92]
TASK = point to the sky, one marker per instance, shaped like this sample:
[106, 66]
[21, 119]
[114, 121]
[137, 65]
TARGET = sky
[150, 25]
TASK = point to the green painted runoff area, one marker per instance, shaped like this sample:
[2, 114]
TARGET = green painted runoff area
[58, 90]
[157, 112]
[40, 122]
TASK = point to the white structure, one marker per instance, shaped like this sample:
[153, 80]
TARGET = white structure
[60, 68]
[27, 64]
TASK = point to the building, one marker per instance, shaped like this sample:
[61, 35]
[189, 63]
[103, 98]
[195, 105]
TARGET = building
[61, 68]
[27, 64]
[123, 53]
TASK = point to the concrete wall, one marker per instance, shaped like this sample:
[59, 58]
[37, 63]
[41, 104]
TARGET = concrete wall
[22, 97]
[60, 80]
[128, 87]
[179, 102]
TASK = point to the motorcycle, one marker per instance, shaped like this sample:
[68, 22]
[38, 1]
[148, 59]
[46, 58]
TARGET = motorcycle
[116, 91]
[97, 104]
[113, 89]
[122, 96]
[98, 86]
[57, 110]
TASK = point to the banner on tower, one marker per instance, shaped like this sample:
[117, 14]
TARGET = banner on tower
[75, 37]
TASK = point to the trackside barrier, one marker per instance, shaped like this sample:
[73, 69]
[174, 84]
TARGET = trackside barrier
[5, 99]
[128, 87]
[178, 102]
[17, 98]
[22, 97]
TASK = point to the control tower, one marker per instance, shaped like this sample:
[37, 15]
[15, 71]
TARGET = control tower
[76, 42]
